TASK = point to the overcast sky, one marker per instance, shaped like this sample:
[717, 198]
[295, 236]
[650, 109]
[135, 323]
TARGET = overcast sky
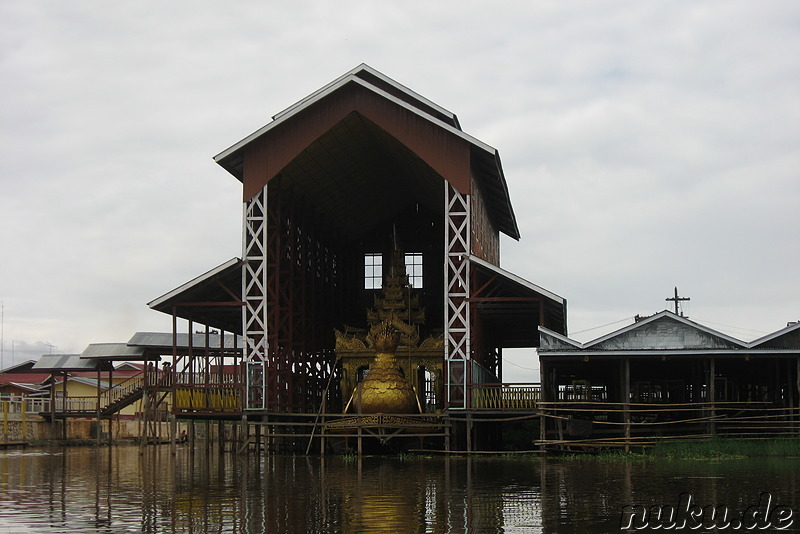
[646, 145]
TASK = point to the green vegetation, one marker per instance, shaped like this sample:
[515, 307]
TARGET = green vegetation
[721, 449]
[607, 455]
[714, 449]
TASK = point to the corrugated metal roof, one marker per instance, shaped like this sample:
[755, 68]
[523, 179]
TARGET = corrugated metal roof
[113, 351]
[517, 279]
[65, 362]
[164, 340]
[670, 316]
[791, 327]
[511, 307]
[194, 282]
[217, 289]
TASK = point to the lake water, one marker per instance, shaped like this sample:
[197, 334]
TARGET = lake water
[110, 490]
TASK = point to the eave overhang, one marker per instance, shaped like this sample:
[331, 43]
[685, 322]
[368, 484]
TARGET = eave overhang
[213, 298]
[513, 307]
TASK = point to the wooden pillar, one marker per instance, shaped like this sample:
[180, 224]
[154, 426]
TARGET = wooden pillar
[789, 400]
[711, 393]
[447, 436]
[322, 437]
[797, 385]
[267, 442]
[5, 404]
[24, 416]
[173, 431]
[469, 433]
[110, 418]
[243, 432]
[99, 425]
[64, 406]
[626, 399]
[544, 396]
[53, 400]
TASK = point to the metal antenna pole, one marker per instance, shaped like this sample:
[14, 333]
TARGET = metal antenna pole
[676, 299]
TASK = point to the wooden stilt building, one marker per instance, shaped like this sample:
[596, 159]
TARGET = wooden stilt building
[666, 377]
[369, 213]
[334, 186]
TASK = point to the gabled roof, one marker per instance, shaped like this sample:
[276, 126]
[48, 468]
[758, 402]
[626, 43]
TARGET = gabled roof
[365, 76]
[788, 337]
[405, 125]
[129, 366]
[550, 340]
[664, 331]
[380, 80]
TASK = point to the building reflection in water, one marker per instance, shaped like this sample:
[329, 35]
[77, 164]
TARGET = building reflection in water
[112, 490]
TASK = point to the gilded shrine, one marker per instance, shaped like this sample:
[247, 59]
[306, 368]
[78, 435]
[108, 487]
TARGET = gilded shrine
[417, 361]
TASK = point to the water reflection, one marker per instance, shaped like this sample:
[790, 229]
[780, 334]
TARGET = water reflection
[119, 490]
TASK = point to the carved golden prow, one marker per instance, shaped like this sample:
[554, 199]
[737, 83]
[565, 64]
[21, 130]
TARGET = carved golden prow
[385, 389]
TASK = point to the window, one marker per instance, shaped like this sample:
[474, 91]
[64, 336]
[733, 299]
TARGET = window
[414, 269]
[373, 271]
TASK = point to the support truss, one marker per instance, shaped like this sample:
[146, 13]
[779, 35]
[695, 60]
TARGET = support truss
[457, 312]
[254, 293]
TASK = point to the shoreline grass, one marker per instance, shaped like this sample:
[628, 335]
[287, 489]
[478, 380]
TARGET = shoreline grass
[722, 448]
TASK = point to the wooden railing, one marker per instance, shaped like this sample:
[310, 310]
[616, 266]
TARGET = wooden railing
[129, 387]
[505, 396]
[208, 399]
[82, 405]
[203, 379]
[27, 405]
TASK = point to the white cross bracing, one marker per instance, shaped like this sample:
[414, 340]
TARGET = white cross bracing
[457, 274]
[254, 292]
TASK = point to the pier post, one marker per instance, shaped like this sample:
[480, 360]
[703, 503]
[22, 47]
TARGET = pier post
[24, 416]
[447, 435]
[712, 395]
[173, 431]
[243, 432]
[99, 427]
[626, 392]
[797, 386]
[542, 430]
[469, 433]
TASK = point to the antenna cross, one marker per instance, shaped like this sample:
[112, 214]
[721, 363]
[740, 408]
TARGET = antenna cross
[676, 299]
